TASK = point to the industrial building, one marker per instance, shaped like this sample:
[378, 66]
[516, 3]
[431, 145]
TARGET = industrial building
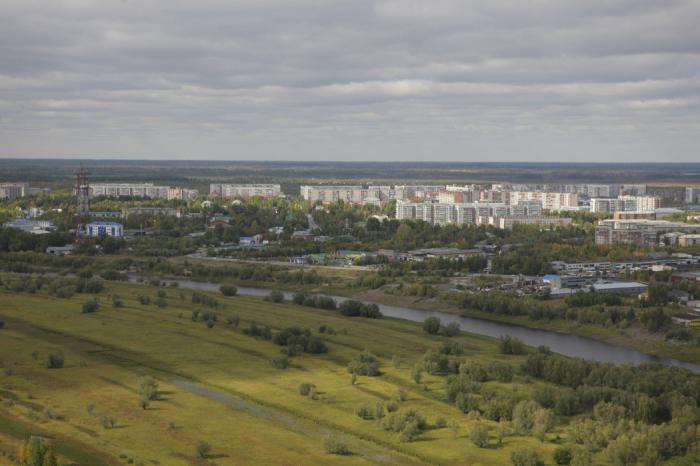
[35, 227]
[97, 229]
[244, 191]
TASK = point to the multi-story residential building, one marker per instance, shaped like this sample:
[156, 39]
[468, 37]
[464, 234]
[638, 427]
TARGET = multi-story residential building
[507, 223]
[553, 201]
[640, 203]
[626, 204]
[331, 194]
[243, 191]
[152, 211]
[13, 190]
[689, 240]
[182, 194]
[607, 205]
[95, 229]
[692, 195]
[638, 232]
[129, 190]
[372, 194]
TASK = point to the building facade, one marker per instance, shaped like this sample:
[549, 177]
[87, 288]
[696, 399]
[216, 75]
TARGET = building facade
[129, 190]
[13, 190]
[244, 191]
[97, 229]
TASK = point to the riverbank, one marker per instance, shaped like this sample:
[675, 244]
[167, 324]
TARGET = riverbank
[633, 337]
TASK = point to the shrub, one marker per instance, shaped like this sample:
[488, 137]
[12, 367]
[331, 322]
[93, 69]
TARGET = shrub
[364, 412]
[364, 364]
[334, 446]
[108, 422]
[275, 296]
[431, 325]
[202, 449]
[2, 324]
[479, 435]
[440, 422]
[162, 294]
[228, 290]
[408, 424]
[352, 308]
[450, 330]
[305, 388]
[145, 300]
[392, 406]
[148, 388]
[233, 320]
[562, 455]
[117, 301]
[160, 302]
[526, 458]
[55, 360]
[280, 362]
[511, 345]
[91, 306]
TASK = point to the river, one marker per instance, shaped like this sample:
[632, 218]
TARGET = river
[563, 343]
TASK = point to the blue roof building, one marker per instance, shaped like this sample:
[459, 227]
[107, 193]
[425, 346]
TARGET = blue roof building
[96, 229]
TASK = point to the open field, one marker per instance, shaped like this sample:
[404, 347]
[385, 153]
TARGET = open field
[216, 384]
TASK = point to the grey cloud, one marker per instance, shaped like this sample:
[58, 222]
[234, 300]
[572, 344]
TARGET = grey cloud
[394, 79]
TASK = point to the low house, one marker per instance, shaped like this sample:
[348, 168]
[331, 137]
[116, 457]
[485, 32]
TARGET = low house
[60, 250]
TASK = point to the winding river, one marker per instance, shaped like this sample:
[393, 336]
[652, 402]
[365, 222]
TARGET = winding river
[563, 343]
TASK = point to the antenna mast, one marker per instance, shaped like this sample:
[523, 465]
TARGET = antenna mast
[82, 193]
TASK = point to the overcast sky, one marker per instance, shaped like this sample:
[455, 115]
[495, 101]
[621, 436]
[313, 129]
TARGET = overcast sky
[514, 80]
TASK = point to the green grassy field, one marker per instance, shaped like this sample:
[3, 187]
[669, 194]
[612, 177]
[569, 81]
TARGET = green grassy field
[217, 385]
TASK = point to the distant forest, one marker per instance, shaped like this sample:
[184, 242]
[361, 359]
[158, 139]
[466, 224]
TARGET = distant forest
[190, 173]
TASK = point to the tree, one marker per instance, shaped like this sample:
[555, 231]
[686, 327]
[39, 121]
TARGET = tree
[524, 416]
[91, 306]
[479, 435]
[364, 363]
[526, 458]
[55, 360]
[562, 455]
[542, 423]
[228, 290]
[417, 373]
[431, 325]
[202, 449]
[334, 446]
[148, 389]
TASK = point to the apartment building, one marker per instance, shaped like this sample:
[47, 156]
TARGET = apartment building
[507, 223]
[129, 190]
[13, 190]
[692, 195]
[182, 194]
[638, 232]
[606, 205]
[552, 201]
[244, 191]
[640, 203]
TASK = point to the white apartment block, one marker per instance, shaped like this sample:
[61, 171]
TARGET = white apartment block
[692, 195]
[465, 213]
[507, 223]
[372, 194]
[13, 190]
[641, 203]
[129, 189]
[243, 191]
[182, 194]
[556, 201]
[607, 205]
[626, 204]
